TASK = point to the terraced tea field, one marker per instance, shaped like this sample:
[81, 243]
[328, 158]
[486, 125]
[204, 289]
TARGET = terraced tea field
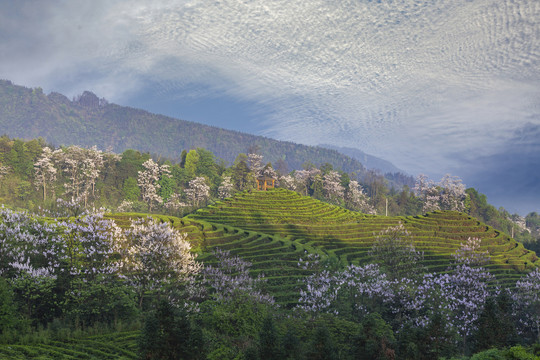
[274, 229]
[121, 345]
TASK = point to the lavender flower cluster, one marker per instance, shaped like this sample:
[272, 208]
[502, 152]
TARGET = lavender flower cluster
[230, 277]
[458, 296]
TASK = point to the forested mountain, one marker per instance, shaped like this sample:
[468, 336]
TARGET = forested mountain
[88, 120]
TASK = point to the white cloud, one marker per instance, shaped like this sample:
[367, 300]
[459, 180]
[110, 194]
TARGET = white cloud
[414, 81]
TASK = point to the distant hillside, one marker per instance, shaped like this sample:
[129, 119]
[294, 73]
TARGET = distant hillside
[369, 161]
[88, 120]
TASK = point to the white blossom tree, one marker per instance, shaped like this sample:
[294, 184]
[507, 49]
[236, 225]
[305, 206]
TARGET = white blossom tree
[448, 194]
[452, 195]
[198, 191]
[148, 181]
[268, 171]
[357, 199]
[92, 243]
[333, 189]
[92, 165]
[45, 172]
[394, 251]
[470, 253]
[230, 278]
[287, 182]
[154, 254]
[226, 188]
[426, 190]
[255, 163]
[82, 167]
[70, 160]
[304, 179]
[3, 170]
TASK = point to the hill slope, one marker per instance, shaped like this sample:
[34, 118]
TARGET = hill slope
[88, 120]
[275, 228]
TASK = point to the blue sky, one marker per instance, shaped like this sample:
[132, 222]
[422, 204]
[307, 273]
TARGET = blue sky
[432, 86]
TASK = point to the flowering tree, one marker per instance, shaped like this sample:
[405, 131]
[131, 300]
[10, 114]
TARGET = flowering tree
[226, 188]
[394, 251]
[31, 256]
[287, 182]
[255, 163]
[3, 170]
[452, 196]
[305, 178]
[269, 171]
[92, 243]
[29, 246]
[154, 255]
[526, 307]
[448, 194]
[354, 290]
[333, 189]
[357, 199]
[92, 165]
[45, 172]
[125, 206]
[459, 297]
[426, 190]
[82, 167]
[175, 203]
[470, 254]
[230, 278]
[70, 161]
[198, 191]
[148, 181]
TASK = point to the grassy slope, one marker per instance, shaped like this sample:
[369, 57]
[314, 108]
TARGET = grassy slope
[121, 345]
[273, 229]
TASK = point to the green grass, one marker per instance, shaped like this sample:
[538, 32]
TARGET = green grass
[273, 229]
[119, 345]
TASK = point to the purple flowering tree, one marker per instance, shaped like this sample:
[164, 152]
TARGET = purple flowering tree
[230, 278]
[355, 290]
[91, 244]
[459, 297]
[526, 307]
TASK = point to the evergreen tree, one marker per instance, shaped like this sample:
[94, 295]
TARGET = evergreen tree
[168, 334]
[322, 346]
[268, 342]
[495, 324]
[375, 340]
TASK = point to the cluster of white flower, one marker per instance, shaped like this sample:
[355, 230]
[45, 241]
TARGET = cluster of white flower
[448, 194]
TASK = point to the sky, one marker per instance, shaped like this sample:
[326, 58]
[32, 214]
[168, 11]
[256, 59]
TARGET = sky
[435, 86]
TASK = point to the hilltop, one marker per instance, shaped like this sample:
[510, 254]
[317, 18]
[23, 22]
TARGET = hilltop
[274, 229]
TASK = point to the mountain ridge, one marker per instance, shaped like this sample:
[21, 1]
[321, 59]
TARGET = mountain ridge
[88, 120]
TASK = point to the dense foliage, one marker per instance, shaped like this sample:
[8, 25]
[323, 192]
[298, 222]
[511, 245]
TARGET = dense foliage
[89, 274]
[332, 291]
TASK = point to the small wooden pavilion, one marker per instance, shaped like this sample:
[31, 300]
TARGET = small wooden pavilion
[265, 182]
